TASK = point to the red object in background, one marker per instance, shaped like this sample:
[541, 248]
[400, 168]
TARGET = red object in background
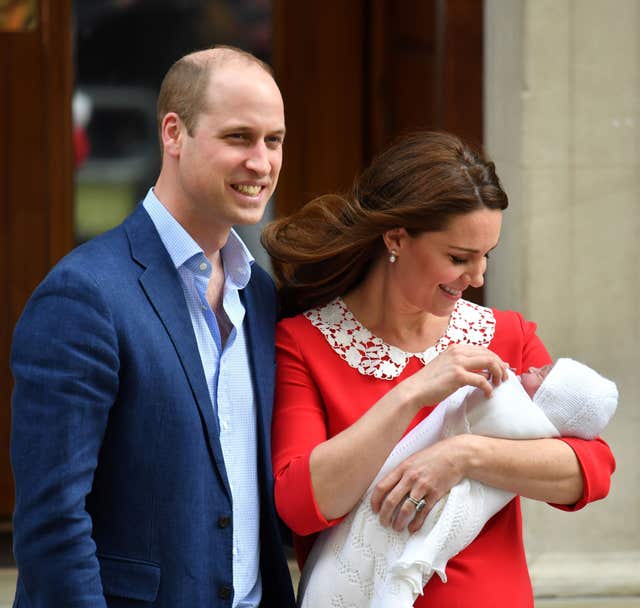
[81, 146]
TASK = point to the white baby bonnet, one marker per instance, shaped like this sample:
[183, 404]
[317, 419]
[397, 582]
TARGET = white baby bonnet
[577, 399]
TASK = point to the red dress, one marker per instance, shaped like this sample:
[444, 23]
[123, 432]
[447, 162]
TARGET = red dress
[333, 370]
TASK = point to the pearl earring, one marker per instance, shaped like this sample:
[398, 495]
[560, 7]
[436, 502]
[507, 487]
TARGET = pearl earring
[392, 257]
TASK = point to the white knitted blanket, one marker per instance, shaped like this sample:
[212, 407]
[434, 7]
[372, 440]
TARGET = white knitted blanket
[361, 564]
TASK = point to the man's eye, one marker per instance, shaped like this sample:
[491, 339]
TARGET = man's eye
[274, 141]
[236, 136]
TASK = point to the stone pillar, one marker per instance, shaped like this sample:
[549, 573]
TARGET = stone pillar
[562, 122]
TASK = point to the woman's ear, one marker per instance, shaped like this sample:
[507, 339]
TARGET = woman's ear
[394, 239]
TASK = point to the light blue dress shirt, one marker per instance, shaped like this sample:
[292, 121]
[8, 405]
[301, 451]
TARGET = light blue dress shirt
[228, 374]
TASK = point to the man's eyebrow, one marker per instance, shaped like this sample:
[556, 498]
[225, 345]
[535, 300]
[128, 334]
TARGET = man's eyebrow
[248, 129]
[237, 127]
[278, 132]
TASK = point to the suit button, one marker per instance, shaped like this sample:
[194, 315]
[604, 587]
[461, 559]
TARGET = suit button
[224, 521]
[224, 592]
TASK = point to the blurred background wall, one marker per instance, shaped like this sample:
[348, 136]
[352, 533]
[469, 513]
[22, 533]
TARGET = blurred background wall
[562, 120]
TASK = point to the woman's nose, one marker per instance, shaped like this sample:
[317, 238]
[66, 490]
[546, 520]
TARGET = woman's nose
[476, 273]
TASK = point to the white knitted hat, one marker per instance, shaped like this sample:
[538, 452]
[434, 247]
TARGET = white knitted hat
[577, 399]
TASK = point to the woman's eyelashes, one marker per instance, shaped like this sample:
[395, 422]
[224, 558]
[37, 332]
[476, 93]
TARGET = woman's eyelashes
[458, 261]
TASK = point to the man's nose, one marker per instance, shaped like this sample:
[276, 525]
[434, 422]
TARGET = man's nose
[258, 160]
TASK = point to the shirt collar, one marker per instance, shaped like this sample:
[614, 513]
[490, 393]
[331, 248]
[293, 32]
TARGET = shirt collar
[182, 248]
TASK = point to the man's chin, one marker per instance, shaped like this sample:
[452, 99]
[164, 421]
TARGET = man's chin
[248, 219]
[249, 216]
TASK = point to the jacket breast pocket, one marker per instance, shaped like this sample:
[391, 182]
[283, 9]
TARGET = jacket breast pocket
[129, 578]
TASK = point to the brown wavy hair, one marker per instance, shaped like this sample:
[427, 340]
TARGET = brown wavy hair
[420, 183]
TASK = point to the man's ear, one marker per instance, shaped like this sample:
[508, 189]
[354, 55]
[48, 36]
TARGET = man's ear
[172, 133]
[394, 239]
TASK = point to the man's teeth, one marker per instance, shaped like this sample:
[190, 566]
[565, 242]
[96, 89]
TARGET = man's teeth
[250, 190]
[453, 292]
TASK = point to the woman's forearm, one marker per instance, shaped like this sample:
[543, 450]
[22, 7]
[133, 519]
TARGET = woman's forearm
[343, 467]
[542, 469]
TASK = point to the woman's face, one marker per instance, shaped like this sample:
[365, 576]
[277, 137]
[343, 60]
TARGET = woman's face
[434, 268]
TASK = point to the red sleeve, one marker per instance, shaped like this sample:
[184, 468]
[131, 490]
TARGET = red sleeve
[299, 424]
[516, 342]
[513, 334]
[597, 464]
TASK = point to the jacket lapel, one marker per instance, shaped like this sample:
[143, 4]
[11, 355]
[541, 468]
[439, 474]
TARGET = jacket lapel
[260, 324]
[162, 285]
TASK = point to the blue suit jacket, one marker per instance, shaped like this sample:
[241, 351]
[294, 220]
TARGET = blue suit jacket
[122, 498]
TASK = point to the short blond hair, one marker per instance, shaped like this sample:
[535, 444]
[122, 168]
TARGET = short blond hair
[184, 87]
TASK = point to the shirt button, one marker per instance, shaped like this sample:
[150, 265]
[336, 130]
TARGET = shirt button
[224, 592]
[203, 266]
[234, 551]
[224, 521]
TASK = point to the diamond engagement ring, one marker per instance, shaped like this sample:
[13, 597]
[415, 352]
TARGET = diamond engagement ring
[418, 504]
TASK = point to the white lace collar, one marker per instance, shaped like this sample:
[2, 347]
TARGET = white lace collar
[371, 356]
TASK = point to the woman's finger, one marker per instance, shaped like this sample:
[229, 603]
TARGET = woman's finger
[405, 512]
[383, 487]
[420, 517]
[480, 381]
[393, 505]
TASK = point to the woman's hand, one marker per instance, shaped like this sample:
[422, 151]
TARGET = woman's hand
[426, 475]
[343, 466]
[541, 469]
[459, 365]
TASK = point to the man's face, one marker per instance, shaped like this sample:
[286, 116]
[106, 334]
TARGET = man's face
[229, 166]
[534, 377]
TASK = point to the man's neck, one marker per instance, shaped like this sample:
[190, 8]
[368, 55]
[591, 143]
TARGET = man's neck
[210, 234]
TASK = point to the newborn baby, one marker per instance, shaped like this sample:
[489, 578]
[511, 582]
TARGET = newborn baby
[359, 563]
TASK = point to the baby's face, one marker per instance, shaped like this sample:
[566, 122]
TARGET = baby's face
[533, 378]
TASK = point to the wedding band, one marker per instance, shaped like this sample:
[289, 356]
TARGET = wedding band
[418, 504]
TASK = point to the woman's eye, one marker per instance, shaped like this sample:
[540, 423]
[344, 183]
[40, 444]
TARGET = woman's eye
[457, 260]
